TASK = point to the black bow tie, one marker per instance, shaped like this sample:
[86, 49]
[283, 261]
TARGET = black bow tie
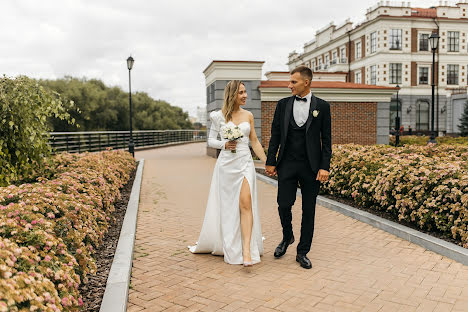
[301, 99]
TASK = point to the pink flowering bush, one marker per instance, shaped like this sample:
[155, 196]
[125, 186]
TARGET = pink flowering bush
[423, 185]
[49, 229]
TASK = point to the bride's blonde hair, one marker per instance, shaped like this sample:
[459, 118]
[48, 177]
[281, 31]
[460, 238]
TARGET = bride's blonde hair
[230, 97]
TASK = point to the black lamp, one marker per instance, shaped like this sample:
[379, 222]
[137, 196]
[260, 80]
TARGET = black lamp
[131, 145]
[434, 42]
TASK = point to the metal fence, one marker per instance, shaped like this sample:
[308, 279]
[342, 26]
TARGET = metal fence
[94, 141]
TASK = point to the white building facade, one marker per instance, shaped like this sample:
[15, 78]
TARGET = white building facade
[391, 48]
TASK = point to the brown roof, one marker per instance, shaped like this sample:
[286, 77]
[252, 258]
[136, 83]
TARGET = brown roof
[324, 85]
[431, 12]
[330, 73]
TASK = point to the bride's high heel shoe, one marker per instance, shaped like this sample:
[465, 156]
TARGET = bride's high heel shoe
[248, 263]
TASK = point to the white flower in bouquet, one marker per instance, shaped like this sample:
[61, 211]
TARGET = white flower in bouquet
[232, 133]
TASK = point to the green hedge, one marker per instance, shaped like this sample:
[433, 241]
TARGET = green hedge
[422, 140]
[25, 109]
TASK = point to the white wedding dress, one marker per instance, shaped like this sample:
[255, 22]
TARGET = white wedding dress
[221, 230]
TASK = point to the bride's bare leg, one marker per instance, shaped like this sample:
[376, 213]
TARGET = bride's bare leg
[246, 219]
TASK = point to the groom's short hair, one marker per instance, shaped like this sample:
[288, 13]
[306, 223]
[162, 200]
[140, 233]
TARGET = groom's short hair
[304, 71]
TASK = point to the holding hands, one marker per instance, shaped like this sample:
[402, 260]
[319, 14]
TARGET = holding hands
[322, 175]
[271, 170]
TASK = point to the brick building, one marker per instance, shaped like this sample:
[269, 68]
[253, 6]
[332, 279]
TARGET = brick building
[390, 47]
[359, 112]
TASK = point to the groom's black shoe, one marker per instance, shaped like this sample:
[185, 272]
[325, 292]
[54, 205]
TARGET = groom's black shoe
[282, 247]
[304, 261]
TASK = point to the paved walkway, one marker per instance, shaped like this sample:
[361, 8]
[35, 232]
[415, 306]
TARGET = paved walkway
[355, 266]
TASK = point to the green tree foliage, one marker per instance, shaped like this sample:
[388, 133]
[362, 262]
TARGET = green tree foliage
[463, 127]
[25, 107]
[106, 108]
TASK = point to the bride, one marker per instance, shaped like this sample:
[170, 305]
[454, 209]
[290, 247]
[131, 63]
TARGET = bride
[232, 224]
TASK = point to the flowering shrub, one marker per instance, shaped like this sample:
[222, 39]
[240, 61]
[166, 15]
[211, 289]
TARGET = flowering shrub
[50, 229]
[423, 185]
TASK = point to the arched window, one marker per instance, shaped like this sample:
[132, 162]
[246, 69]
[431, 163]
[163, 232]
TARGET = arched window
[422, 115]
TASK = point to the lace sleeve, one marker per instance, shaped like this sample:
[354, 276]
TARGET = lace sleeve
[214, 132]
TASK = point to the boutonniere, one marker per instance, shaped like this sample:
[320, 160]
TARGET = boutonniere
[315, 113]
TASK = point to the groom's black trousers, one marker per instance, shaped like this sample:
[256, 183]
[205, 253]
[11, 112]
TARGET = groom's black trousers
[290, 172]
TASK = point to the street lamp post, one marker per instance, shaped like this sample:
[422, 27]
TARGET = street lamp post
[434, 41]
[131, 145]
[397, 119]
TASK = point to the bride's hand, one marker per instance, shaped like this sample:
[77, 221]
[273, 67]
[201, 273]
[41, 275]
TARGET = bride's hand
[231, 145]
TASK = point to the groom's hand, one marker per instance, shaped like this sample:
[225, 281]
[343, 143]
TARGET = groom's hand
[270, 170]
[322, 175]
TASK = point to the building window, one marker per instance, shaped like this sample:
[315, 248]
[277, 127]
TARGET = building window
[423, 75]
[319, 63]
[358, 50]
[357, 77]
[395, 39]
[452, 74]
[313, 66]
[423, 42]
[453, 38]
[343, 55]
[395, 73]
[210, 93]
[373, 75]
[334, 57]
[327, 61]
[422, 115]
[373, 42]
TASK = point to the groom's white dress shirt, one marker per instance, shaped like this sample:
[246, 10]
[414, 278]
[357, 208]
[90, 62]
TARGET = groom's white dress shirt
[301, 110]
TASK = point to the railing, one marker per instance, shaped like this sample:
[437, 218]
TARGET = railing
[94, 141]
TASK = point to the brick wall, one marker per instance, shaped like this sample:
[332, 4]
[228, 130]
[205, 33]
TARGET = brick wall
[414, 40]
[414, 74]
[351, 122]
[268, 111]
[363, 46]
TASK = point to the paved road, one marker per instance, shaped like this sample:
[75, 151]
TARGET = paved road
[355, 266]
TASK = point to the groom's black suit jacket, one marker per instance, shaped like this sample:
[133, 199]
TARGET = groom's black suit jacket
[318, 133]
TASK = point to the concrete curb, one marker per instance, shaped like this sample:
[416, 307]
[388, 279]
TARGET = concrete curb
[116, 294]
[434, 244]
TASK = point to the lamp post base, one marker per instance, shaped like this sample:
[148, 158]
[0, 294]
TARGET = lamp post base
[131, 148]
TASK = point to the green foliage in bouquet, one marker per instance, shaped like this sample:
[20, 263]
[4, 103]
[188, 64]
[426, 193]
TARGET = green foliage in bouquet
[25, 107]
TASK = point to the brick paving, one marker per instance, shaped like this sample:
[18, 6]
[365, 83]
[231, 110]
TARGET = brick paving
[355, 267]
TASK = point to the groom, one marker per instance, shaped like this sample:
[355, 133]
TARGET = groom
[301, 130]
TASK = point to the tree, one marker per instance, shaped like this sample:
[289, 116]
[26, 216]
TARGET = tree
[99, 107]
[463, 127]
[24, 130]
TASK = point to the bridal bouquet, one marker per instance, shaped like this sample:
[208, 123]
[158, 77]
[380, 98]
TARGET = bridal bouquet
[232, 133]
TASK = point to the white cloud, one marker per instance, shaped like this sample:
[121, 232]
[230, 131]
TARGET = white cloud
[171, 41]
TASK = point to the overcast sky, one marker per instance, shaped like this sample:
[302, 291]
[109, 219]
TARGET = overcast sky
[172, 42]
